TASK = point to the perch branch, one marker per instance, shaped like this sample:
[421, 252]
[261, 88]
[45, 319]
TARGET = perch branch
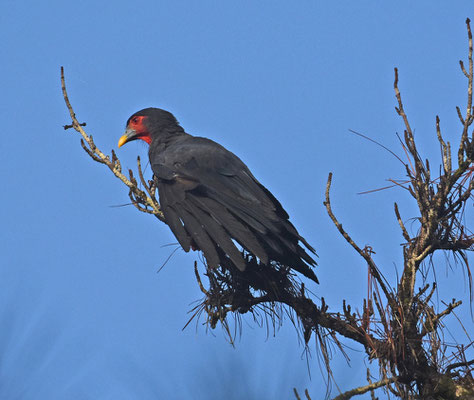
[145, 202]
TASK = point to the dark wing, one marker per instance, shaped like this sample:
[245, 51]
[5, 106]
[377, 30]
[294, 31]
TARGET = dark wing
[211, 200]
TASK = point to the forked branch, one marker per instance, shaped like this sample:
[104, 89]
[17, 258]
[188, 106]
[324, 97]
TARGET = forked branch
[143, 201]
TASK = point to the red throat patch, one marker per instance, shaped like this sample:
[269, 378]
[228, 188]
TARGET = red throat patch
[137, 123]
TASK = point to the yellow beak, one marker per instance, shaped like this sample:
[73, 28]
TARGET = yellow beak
[123, 139]
[130, 134]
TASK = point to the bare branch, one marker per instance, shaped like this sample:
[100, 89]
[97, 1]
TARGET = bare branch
[459, 364]
[434, 321]
[400, 110]
[364, 389]
[468, 119]
[139, 198]
[364, 253]
[400, 222]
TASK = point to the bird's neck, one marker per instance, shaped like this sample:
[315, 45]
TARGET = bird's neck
[166, 138]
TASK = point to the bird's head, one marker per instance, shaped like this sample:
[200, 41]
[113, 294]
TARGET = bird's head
[148, 124]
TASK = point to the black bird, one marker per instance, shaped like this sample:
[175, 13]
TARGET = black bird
[211, 200]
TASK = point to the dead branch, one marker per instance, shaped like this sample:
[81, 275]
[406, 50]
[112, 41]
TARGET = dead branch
[306, 393]
[459, 364]
[145, 202]
[364, 389]
[366, 255]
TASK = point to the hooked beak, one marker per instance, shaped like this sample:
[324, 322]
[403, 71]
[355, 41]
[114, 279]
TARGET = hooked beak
[129, 135]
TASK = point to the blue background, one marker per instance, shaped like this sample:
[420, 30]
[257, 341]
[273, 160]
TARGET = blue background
[83, 312]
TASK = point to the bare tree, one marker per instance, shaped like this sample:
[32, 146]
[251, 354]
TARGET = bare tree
[400, 327]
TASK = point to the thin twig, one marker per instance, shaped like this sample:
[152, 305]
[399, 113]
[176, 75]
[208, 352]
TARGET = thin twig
[402, 225]
[364, 389]
[365, 254]
[468, 119]
[459, 364]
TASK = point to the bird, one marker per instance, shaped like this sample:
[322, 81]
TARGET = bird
[212, 202]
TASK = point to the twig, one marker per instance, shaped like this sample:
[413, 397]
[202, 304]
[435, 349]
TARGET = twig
[66, 127]
[139, 198]
[467, 121]
[432, 323]
[459, 364]
[198, 278]
[365, 254]
[400, 222]
[296, 394]
[364, 389]
[400, 110]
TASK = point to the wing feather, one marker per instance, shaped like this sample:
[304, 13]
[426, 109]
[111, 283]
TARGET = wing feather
[200, 237]
[209, 197]
[235, 228]
[217, 233]
[172, 217]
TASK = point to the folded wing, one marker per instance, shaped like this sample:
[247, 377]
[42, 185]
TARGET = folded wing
[211, 201]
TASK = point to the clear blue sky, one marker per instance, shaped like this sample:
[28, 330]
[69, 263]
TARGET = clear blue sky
[83, 313]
